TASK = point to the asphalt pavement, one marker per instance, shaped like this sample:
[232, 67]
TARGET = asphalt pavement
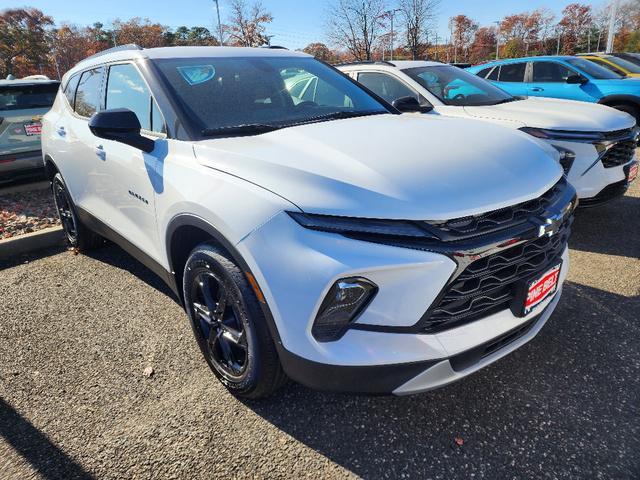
[77, 332]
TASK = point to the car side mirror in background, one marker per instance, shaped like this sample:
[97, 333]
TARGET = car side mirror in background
[576, 79]
[120, 125]
[410, 104]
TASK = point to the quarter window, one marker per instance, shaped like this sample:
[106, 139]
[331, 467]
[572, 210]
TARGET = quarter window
[88, 93]
[483, 73]
[550, 72]
[494, 74]
[70, 89]
[512, 72]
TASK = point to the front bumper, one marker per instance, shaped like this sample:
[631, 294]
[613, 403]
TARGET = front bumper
[594, 183]
[301, 265]
[414, 377]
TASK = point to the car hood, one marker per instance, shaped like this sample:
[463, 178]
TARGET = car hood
[391, 166]
[556, 114]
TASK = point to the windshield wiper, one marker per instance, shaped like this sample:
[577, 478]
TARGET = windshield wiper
[243, 129]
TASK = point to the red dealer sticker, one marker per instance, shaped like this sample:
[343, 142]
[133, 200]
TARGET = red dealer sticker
[633, 172]
[33, 128]
[540, 288]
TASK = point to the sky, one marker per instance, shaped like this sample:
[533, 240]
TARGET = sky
[296, 22]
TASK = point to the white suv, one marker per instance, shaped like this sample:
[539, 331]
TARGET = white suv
[596, 143]
[301, 241]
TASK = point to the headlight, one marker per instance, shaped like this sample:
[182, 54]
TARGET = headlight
[566, 158]
[547, 134]
[346, 299]
[363, 226]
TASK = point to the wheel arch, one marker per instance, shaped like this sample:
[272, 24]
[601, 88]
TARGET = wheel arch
[620, 99]
[184, 233]
[50, 167]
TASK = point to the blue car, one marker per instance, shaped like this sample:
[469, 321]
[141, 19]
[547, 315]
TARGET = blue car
[570, 78]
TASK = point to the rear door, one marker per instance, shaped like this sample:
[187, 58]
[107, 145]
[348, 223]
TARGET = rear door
[549, 79]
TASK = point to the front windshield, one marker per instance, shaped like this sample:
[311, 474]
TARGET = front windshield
[219, 94]
[593, 70]
[454, 86]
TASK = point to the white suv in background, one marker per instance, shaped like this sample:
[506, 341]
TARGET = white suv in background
[299, 243]
[596, 143]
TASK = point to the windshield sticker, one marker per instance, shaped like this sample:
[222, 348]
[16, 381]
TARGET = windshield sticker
[196, 74]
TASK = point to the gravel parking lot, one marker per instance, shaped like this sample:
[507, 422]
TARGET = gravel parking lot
[77, 332]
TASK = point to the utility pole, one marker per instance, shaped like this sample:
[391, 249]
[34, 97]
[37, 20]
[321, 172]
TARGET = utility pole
[220, 39]
[497, 39]
[437, 46]
[559, 33]
[589, 40]
[391, 14]
[612, 26]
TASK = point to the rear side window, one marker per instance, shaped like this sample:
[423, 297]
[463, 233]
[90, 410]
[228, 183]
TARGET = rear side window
[24, 97]
[494, 74]
[386, 86]
[88, 93]
[70, 89]
[512, 72]
[550, 72]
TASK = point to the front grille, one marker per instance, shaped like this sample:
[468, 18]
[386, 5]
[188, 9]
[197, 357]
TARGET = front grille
[499, 219]
[619, 154]
[489, 285]
[618, 133]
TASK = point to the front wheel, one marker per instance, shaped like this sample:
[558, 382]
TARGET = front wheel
[229, 324]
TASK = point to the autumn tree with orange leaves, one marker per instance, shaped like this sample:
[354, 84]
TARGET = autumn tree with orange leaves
[576, 19]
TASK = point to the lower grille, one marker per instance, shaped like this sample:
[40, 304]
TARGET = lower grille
[619, 154]
[489, 285]
[608, 193]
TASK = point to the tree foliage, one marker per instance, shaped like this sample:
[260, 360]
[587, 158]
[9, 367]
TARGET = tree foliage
[23, 39]
[355, 25]
[418, 17]
[247, 24]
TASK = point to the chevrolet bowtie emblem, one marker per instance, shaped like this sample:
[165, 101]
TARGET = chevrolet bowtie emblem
[551, 225]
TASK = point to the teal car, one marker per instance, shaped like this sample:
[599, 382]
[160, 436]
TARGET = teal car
[566, 77]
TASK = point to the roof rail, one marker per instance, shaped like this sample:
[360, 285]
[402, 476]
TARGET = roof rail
[365, 62]
[128, 46]
[274, 47]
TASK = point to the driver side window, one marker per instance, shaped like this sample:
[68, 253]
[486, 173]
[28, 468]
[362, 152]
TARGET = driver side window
[386, 86]
[550, 72]
[306, 87]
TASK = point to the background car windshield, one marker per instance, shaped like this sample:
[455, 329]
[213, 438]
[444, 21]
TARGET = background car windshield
[592, 69]
[627, 65]
[454, 86]
[219, 93]
[21, 97]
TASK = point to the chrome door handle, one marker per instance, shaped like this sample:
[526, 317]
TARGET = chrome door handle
[61, 131]
[99, 150]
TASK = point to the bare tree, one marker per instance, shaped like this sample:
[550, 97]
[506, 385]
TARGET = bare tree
[418, 16]
[355, 25]
[247, 24]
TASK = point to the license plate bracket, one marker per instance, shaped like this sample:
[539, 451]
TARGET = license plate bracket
[532, 292]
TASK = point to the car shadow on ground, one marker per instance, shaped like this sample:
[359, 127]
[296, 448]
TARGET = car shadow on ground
[511, 419]
[35, 448]
[612, 228]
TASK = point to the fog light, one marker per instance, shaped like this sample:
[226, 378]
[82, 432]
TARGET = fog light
[347, 298]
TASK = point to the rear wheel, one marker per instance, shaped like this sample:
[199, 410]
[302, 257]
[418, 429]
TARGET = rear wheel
[77, 234]
[229, 324]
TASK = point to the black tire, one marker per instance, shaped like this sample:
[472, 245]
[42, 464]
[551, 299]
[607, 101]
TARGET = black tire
[234, 338]
[628, 108]
[77, 235]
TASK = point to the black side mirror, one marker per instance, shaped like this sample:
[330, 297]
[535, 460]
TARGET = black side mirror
[410, 104]
[577, 79]
[121, 125]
